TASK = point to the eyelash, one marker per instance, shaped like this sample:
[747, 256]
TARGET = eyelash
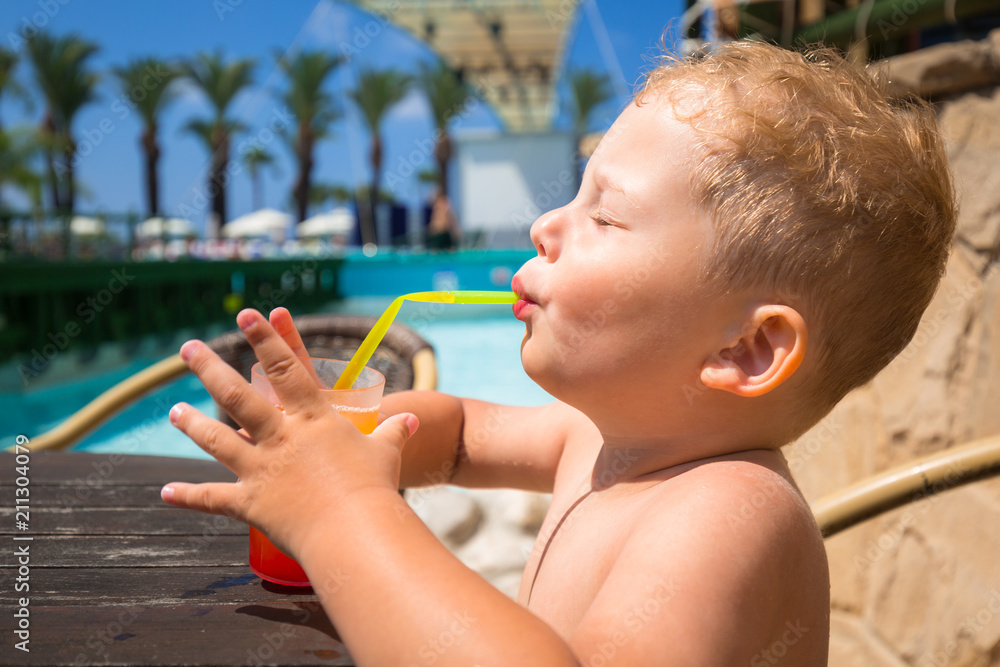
[601, 222]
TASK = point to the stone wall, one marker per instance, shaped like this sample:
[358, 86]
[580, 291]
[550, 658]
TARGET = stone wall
[921, 585]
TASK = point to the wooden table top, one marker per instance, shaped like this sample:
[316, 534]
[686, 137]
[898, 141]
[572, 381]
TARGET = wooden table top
[115, 576]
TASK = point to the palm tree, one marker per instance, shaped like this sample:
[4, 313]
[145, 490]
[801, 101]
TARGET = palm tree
[255, 158]
[146, 83]
[17, 151]
[590, 90]
[10, 86]
[13, 160]
[221, 83]
[446, 95]
[314, 110]
[321, 193]
[67, 84]
[378, 91]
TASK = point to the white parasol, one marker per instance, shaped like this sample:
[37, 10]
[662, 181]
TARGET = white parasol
[337, 221]
[83, 226]
[170, 227]
[265, 222]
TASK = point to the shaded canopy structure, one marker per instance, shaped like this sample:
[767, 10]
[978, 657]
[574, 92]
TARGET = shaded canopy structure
[510, 50]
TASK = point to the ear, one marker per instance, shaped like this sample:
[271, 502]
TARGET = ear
[769, 350]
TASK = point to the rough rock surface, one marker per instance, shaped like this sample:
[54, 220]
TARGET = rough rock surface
[949, 68]
[491, 531]
[921, 585]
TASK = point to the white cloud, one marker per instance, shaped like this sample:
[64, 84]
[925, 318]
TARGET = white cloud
[413, 105]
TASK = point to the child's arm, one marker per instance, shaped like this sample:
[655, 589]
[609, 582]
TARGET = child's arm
[394, 592]
[481, 445]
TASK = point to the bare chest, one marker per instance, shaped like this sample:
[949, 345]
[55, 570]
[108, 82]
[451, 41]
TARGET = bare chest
[575, 549]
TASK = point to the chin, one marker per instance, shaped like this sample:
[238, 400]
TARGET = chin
[540, 374]
[549, 377]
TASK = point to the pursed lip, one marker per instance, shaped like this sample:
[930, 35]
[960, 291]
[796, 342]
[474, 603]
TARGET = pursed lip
[525, 303]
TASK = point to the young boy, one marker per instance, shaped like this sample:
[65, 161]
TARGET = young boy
[756, 235]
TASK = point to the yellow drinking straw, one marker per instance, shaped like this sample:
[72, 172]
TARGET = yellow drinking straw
[374, 337]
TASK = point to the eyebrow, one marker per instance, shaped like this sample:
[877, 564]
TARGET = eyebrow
[607, 181]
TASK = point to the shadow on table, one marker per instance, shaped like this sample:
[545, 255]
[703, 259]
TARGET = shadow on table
[306, 614]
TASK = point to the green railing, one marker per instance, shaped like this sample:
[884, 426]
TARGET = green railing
[48, 307]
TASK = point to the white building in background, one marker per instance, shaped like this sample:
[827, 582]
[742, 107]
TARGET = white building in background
[503, 182]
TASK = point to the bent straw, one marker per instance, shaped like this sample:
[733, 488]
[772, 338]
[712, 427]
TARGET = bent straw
[374, 337]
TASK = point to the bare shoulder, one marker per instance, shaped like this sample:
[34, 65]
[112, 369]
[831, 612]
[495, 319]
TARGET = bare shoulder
[722, 565]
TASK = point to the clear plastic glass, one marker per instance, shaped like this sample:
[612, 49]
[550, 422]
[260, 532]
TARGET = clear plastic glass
[359, 405]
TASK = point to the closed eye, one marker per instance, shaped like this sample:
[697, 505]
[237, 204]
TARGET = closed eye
[601, 221]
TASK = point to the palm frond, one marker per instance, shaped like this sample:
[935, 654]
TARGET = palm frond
[62, 74]
[18, 149]
[146, 82]
[445, 93]
[202, 129]
[9, 85]
[220, 81]
[590, 90]
[377, 92]
[258, 156]
[312, 106]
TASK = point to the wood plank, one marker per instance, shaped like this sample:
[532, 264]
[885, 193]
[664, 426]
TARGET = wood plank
[119, 578]
[276, 633]
[160, 519]
[134, 551]
[94, 470]
[50, 586]
[87, 496]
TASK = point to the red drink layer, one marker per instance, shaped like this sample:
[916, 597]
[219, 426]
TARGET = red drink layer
[268, 561]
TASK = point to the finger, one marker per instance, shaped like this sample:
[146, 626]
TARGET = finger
[218, 440]
[281, 321]
[296, 391]
[242, 432]
[212, 498]
[233, 394]
[397, 429]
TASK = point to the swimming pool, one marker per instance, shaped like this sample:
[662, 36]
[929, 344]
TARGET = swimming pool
[478, 356]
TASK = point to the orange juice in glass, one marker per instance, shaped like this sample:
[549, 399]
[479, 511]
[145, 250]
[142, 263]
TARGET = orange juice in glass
[359, 405]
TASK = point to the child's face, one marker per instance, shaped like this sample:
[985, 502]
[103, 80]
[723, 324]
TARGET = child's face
[615, 308]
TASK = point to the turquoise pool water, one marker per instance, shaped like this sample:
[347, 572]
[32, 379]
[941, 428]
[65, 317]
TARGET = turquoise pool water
[478, 356]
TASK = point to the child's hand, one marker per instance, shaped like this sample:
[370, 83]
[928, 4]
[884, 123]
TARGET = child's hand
[292, 465]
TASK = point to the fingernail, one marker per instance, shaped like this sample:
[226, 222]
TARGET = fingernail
[188, 349]
[167, 494]
[175, 413]
[412, 423]
[247, 319]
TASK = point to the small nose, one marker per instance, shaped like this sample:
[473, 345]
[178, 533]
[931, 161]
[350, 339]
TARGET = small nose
[546, 233]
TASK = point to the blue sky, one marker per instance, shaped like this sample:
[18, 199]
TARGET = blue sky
[617, 39]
